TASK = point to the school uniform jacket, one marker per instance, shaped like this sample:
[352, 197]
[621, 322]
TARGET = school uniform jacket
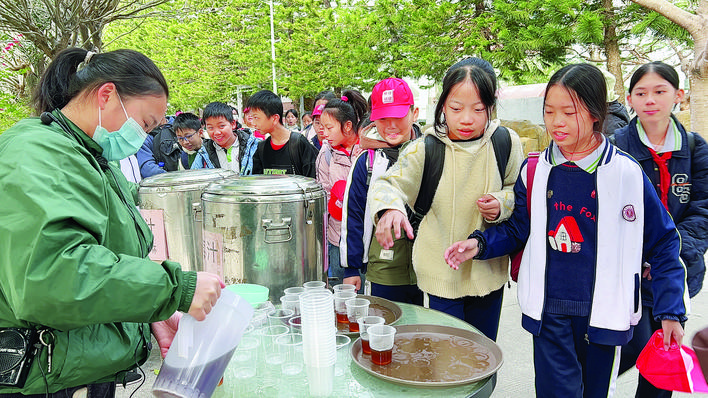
[633, 227]
[687, 199]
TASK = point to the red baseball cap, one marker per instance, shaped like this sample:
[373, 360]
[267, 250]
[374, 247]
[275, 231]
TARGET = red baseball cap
[390, 98]
[336, 199]
[318, 110]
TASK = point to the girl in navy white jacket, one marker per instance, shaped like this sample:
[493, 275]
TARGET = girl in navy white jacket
[594, 220]
[676, 162]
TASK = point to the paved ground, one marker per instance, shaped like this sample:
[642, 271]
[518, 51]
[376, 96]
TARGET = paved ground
[516, 375]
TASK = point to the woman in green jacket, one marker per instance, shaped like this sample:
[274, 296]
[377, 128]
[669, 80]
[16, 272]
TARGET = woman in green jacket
[73, 248]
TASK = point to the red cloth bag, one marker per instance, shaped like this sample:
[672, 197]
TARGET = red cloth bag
[675, 370]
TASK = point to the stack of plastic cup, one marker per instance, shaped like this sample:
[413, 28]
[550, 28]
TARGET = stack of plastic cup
[318, 340]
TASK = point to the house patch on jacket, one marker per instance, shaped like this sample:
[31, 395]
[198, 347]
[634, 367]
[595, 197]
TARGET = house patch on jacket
[566, 237]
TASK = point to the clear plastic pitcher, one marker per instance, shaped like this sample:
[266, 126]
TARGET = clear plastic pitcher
[201, 351]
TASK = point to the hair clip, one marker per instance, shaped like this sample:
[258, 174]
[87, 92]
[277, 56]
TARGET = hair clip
[89, 55]
[345, 99]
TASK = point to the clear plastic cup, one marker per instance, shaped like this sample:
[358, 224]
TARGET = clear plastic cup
[291, 347]
[314, 285]
[381, 338]
[271, 351]
[340, 308]
[342, 341]
[364, 323]
[356, 308]
[291, 302]
[344, 287]
[247, 350]
[280, 317]
[295, 324]
[296, 290]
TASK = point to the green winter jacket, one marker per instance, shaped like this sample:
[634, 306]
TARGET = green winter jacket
[73, 258]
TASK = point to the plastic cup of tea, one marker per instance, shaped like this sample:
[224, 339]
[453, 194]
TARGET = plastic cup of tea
[295, 324]
[356, 308]
[291, 347]
[291, 302]
[280, 317]
[381, 339]
[364, 323]
[342, 342]
[344, 287]
[271, 351]
[314, 285]
[296, 290]
[340, 307]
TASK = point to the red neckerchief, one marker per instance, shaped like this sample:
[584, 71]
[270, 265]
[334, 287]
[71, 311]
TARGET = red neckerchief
[664, 176]
[343, 149]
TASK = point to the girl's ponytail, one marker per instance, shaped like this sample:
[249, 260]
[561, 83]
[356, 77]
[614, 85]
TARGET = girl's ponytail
[55, 87]
[351, 107]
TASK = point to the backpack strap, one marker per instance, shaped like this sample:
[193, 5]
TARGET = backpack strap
[370, 166]
[501, 141]
[293, 146]
[432, 171]
[530, 173]
[691, 138]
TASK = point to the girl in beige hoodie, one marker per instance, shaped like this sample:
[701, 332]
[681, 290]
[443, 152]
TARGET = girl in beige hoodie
[471, 194]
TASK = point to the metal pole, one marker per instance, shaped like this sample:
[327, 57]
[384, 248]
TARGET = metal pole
[272, 48]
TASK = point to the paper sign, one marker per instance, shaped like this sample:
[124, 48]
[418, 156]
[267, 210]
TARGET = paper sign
[213, 249]
[156, 221]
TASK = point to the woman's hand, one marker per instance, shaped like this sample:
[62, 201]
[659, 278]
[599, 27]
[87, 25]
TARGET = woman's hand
[392, 219]
[489, 207]
[164, 332]
[460, 252]
[206, 293]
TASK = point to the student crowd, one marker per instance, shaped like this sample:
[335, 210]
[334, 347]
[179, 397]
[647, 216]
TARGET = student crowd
[610, 228]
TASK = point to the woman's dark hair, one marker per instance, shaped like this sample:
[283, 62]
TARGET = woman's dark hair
[73, 72]
[289, 111]
[481, 74]
[666, 72]
[586, 83]
[353, 109]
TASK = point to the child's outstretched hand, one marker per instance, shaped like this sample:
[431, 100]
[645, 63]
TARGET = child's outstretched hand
[671, 328]
[460, 252]
[396, 220]
[489, 207]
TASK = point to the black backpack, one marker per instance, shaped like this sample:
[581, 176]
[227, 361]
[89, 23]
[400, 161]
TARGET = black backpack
[433, 166]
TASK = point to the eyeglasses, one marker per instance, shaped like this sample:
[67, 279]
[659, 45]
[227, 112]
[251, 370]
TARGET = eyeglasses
[186, 137]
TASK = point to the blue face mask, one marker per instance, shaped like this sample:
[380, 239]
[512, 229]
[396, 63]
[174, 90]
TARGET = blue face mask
[120, 144]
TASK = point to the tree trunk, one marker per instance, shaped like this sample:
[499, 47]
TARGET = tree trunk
[612, 50]
[699, 86]
[697, 25]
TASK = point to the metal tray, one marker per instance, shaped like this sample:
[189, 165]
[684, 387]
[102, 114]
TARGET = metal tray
[378, 306]
[434, 356]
